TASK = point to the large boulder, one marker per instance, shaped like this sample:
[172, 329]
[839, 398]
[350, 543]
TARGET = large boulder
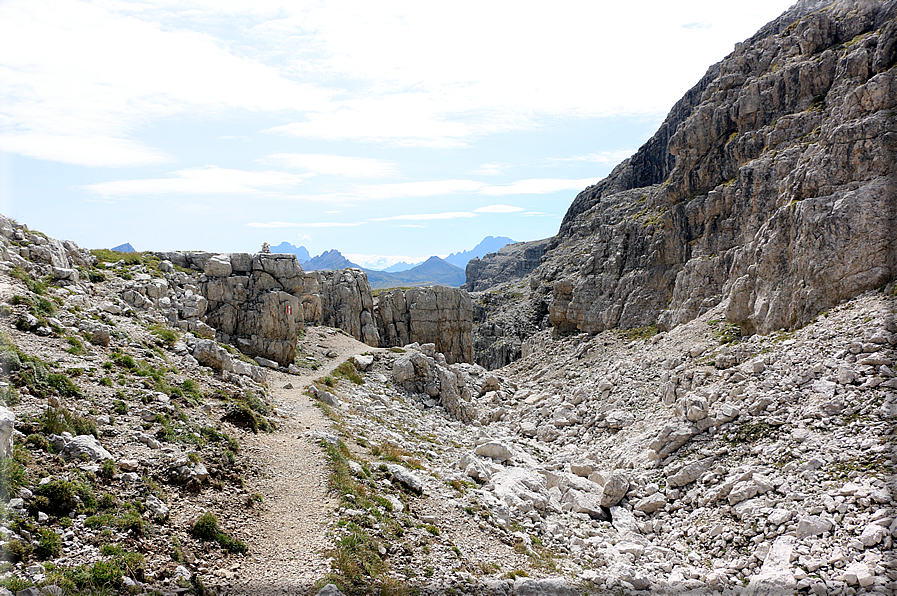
[208, 353]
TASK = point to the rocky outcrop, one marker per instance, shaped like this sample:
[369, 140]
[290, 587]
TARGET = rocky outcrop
[439, 315]
[503, 318]
[422, 371]
[260, 302]
[511, 262]
[769, 188]
[251, 302]
[21, 247]
[343, 299]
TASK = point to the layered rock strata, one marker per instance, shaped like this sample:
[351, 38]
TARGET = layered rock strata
[439, 315]
[781, 200]
[260, 302]
[511, 262]
[769, 189]
[251, 302]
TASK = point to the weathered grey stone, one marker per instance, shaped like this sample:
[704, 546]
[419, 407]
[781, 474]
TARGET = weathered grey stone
[615, 488]
[421, 374]
[775, 577]
[208, 353]
[406, 478]
[329, 590]
[550, 586]
[651, 503]
[689, 473]
[7, 425]
[218, 266]
[812, 525]
[85, 445]
[439, 315]
[494, 449]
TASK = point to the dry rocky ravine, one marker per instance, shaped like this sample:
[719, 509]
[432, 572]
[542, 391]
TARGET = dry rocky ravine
[632, 461]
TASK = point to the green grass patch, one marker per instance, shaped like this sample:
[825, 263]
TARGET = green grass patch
[166, 335]
[642, 333]
[349, 371]
[724, 332]
[206, 528]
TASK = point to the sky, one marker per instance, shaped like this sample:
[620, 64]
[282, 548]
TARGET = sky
[389, 130]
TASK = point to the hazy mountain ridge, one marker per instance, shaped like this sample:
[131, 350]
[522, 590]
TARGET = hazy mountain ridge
[487, 245]
[433, 271]
[301, 252]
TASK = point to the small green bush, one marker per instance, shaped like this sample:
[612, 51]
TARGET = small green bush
[49, 545]
[349, 371]
[60, 497]
[76, 346]
[16, 551]
[167, 336]
[12, 477]
[206, 528]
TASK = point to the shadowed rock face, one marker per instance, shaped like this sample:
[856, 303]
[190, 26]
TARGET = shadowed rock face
[439, 315]
[770, 188]
[511, 262]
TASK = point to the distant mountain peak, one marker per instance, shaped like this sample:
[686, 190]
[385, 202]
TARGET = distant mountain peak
[328, 261]
[126, 247]
[486, 245]
[301, 252]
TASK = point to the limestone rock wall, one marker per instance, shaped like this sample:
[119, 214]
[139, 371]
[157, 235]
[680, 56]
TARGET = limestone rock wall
[781, 200]
[345, 301]
[260, 302]
[251, 302]
[439, 315]
[33, 251]
[511, 262]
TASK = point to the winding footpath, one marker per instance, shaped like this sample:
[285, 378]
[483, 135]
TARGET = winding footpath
[289, 536]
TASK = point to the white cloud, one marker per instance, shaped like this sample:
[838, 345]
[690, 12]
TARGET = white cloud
[389, 72]
[88, 150]
[319, 224]
[336, 165]
[515, 68]
[603, 157]
[428, 216]
[72, 70]
[427, 188]
[411, 226]
[205, 180]
[401, 119]
[491, 169]
[498, 209]
[538, 186]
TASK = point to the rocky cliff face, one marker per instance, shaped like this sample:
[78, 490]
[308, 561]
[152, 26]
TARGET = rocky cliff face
[259, 302]
[511, 262]
[346, 302]
[770, 188]
[439, 315]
